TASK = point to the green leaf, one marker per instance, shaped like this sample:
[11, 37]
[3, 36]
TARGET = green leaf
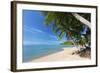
[61, 35]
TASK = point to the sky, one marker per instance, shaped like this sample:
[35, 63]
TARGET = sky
[35, 31]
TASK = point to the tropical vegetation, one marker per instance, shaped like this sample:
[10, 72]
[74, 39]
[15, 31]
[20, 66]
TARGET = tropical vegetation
[75, 26]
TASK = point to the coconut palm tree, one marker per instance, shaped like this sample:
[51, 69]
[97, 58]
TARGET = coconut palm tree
[70, 24]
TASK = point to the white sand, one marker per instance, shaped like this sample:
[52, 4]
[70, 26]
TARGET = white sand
[64, 55]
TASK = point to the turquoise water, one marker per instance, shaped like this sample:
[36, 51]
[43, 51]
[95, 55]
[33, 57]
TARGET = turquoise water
[35, 51]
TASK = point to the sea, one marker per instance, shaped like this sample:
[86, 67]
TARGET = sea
[31, 52]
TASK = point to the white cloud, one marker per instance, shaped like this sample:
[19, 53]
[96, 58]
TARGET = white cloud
[27, 28]
[32, 29]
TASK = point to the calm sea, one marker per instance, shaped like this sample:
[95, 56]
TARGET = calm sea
[31, 52]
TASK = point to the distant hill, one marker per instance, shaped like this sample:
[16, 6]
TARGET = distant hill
[67, 43]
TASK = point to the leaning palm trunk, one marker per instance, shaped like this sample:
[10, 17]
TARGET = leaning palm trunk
[76, 46]
[82, 20]
[74, 43]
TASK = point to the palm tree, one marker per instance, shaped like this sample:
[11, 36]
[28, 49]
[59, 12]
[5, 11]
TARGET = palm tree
[70, 24]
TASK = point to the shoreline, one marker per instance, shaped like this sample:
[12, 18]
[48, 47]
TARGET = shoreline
[65, 55]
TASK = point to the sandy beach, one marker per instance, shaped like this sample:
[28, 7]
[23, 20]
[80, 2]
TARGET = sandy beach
[65, 55]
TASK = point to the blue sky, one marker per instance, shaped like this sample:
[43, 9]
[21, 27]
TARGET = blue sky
[35, 31]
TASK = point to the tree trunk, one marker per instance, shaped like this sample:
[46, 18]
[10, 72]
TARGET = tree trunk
[82, 20]
[71, 40]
